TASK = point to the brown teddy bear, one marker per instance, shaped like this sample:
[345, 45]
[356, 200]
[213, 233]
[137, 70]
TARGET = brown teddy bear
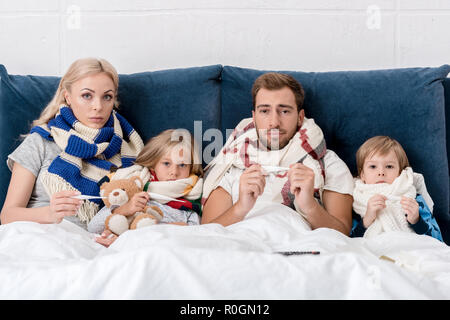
[117, 193]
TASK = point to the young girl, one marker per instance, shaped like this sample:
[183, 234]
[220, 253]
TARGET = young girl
[168, 165]
[385, 194]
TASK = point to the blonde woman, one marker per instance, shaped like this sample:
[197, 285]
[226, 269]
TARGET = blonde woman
[77, 139]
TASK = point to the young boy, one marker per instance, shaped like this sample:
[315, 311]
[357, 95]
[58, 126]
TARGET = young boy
[385, 195]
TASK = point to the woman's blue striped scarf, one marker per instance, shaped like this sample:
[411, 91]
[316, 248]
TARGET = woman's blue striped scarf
[87, 154]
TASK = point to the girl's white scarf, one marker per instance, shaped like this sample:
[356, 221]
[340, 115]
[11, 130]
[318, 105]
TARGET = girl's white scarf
[392, 218]
[189, 188]
[243, 149]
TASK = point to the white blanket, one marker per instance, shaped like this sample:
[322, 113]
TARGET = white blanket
[214, 262]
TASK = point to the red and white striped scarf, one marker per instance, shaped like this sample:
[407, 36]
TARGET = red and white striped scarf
[243, 149]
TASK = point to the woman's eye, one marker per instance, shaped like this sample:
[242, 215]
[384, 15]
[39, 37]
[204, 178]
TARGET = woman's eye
[182, 165]
[86, 95]
[372, 166]
[108, 97]
[166, 163]
[389, 166]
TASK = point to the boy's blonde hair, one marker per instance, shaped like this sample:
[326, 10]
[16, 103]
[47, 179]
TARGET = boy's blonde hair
[381, 145]
[159, 145]
[77, 70]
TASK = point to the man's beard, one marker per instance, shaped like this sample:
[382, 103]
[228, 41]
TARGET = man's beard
[273, 142]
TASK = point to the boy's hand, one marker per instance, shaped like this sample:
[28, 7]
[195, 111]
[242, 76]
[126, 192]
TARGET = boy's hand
[411, 208]
[375, 204]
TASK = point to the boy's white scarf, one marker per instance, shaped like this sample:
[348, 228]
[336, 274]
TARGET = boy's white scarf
[243, 149]
[392, 218]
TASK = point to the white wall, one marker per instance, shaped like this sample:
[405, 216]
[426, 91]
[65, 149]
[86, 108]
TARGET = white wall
[43, 37]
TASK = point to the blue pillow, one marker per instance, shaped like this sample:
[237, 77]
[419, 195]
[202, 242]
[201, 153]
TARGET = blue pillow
[160, 100]
[150, 101]
[350, 107]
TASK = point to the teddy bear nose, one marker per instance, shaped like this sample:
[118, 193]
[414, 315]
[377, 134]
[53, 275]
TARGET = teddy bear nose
[115, 194]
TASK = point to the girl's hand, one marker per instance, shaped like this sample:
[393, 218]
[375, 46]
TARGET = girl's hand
[136, 204]
[411, 208]
[374, 206]
[62, 204]
[106, 238]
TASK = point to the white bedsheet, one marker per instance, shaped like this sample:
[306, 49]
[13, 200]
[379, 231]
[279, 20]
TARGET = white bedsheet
[213, 262]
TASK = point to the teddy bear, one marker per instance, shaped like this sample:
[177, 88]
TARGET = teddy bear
[117, 193]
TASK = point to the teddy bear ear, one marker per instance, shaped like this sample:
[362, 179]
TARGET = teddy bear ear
[138, 182]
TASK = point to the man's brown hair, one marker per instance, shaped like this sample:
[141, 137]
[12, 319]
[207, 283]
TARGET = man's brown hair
[276, 81]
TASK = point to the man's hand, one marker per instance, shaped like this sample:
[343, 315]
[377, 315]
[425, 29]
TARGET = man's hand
[301, 178]
[374, 206]
[251, 185]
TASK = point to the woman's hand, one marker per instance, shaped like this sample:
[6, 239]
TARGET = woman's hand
[62, 204]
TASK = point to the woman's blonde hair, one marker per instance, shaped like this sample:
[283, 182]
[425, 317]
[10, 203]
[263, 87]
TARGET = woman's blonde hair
[381, 145]
[159, 145]
[77, 70]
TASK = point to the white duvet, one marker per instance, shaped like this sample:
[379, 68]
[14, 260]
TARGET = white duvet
[213, 262]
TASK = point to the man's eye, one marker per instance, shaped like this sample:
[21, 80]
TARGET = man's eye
[263, 111]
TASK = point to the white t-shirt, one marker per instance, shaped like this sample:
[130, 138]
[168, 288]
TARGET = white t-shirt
[337, 178]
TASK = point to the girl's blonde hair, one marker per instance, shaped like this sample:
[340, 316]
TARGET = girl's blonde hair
[381, 145]
[159, 145]
[77, 70]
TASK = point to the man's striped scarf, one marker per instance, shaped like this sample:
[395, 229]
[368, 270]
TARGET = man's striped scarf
[243, 149]
[87, 154]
